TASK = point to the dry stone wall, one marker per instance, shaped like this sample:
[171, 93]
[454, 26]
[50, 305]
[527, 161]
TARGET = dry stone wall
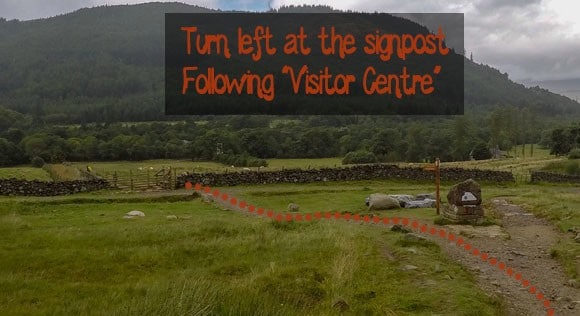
[355, 173]
[538, 176]
[49, 188]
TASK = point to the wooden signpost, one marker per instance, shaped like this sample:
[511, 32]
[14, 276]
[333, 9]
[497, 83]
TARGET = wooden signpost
[435, 167]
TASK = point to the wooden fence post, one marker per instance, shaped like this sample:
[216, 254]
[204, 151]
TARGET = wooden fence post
[437, 183]
[148, 179]
[174, 179]
[131, 178]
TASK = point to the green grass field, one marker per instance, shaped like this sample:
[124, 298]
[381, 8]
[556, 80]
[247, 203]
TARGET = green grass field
[277, 164]
[77, 255]
[24, 172]
[203, 166]
[557, 203]
[123, 167]
[68, 259]
[519, 165]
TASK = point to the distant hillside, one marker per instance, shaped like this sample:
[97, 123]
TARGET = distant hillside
[567, 87]
[486, 86]
[106, 64]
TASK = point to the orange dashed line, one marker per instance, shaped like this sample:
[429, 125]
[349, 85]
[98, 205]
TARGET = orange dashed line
[509, 271]
[376, 219]
[546, 303]
[525, 283]
[451, 237]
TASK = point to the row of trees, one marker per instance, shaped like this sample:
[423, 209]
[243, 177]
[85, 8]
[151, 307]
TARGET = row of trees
[206, 138]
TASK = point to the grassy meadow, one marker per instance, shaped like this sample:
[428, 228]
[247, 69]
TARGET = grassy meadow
[519, 165]
[557, 203]
[69, 257]
[122, 168]
[73, 255]
[24, 172]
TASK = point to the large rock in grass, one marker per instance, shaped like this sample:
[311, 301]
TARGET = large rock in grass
[464, 202]
[135, 213]
[467, 192]
[425, 203]
[402, 198]
[422, 196]
[293, 207]
[380, 201]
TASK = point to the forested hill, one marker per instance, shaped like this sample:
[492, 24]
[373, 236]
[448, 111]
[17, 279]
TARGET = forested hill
[105, 64]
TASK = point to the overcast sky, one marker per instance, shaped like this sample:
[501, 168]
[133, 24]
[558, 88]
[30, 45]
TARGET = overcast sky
[529, 39]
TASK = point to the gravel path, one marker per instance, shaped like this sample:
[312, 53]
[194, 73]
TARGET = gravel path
[524, 244]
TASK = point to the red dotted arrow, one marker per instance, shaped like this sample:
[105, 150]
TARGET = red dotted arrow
[412, 223]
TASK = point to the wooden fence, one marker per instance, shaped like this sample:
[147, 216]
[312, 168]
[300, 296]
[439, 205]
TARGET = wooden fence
[143, 179]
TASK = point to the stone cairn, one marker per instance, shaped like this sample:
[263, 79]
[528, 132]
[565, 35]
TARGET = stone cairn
[464, 203]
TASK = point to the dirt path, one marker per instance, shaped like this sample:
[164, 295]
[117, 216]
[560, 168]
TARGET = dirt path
[524, 244]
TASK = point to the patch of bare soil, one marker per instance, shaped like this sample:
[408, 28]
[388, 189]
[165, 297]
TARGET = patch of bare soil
[523, 243]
